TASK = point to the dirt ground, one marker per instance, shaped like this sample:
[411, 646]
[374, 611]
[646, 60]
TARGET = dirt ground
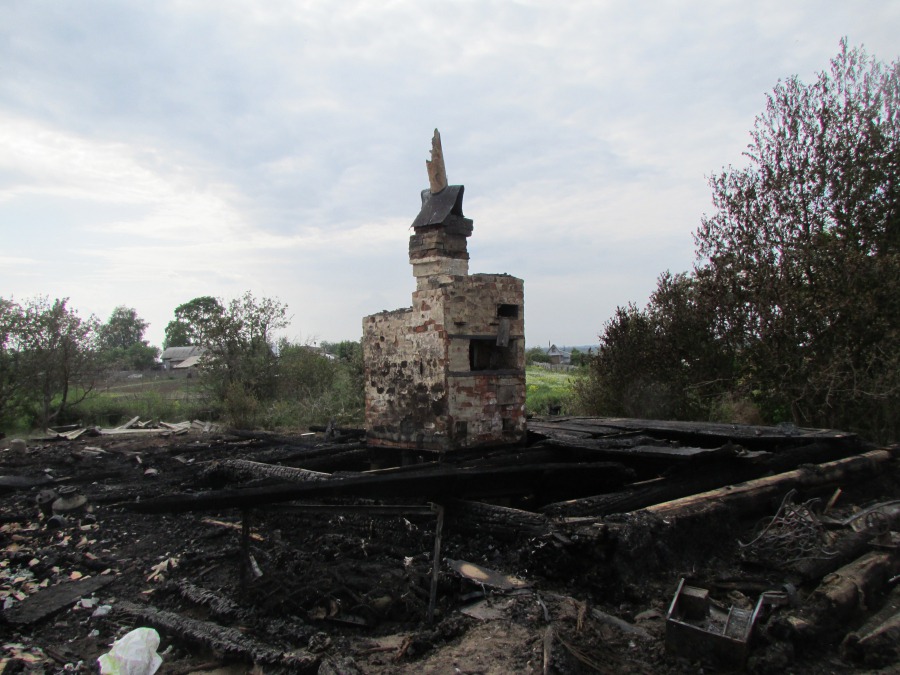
[342, 592]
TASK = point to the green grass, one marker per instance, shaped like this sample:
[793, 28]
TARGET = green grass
[162, 398]
[545, 388]
[176, 399]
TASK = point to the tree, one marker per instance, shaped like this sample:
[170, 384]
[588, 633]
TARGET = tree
[121, 341]
[123, 329]
[240, 361]
[536, 355]
[48, 357]
[624, 377]
[345, 350]
[793, 305]
[803, 251]
[193, 321]
[303, 371]
[11, 381]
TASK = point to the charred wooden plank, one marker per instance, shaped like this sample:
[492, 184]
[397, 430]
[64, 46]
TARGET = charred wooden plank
[701, 433]
[627, 451]
[689, 481]
[230, 641]
[682, 531]
[12, 483]
[757, 495]
[50, 600]
[345, 431]
[361, 509]
[845, 550]
[218, 604]
[345, 459]
[877, 642]
[501, 520]
[434, 485]
[261, 470]
[841, 597]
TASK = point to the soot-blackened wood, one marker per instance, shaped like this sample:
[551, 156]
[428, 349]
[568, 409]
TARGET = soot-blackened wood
[301, 456]
[50, 600]
[844, 551]
[435, 562]
[690, 481]
[273, 439]
[758, 495]
[704, 434]
[841, 596]
[345, 431]
[435, 485]
[230, 641]
[336, 460]
[261, 470]
[219, 605]
[505, 522]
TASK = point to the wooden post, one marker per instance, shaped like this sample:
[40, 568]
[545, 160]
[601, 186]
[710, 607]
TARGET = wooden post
[246, 574]
[436, 566]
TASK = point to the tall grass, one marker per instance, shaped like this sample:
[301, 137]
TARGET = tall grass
[155, 398]
[547, 390]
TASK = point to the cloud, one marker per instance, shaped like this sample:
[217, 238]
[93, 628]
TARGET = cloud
[151, 153]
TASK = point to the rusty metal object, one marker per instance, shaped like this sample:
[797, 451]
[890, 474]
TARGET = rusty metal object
[698, 628]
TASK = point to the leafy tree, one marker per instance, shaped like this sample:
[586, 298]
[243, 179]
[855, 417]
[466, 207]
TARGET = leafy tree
[240, 361]
[348, 390]
[624, 379]
[11, 382]
[536, 355]
[121, 341]
[48, 359]
[794, 302]
[123, 329]
[803, 251]
[345, 350]
[193, 321]
[303, 371]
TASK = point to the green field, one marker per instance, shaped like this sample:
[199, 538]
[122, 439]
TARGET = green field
[156, 396]
[545, 388]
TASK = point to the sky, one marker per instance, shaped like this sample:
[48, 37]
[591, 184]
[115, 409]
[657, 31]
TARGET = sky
[151, 153]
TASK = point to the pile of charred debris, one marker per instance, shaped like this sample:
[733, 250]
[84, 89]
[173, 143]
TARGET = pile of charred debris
[601, 545]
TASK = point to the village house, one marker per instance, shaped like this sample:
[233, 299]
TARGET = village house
[181, 358]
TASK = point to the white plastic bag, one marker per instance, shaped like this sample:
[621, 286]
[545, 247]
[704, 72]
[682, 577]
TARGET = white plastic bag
[132, 654]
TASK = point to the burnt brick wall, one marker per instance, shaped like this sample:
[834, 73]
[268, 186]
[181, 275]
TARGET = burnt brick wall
[421, 390]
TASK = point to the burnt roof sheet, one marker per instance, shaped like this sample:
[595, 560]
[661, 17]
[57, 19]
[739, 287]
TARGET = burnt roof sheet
[436, 208]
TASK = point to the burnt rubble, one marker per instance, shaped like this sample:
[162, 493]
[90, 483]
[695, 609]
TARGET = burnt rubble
[598, 543]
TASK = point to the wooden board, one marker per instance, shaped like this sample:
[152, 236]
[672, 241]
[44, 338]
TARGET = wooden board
[50, 600]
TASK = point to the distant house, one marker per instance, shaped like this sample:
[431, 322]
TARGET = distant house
[558, 357]
[180, 358]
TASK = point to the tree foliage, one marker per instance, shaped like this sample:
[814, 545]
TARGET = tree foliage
[794, 302]
[193, 321]
[536, 355]
[47, 358]
[123, 329]
[240, 359]
[121, 341]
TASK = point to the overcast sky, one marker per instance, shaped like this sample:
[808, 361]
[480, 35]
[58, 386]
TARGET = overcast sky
[153, 152]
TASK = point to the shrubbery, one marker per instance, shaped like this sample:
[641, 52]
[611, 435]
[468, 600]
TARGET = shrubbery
[792, 312]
